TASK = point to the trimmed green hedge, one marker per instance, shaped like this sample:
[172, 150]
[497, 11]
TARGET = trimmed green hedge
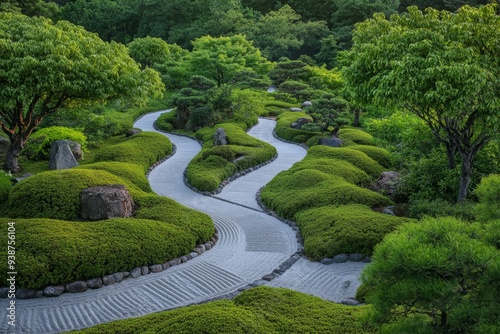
[144, 149]
[56, 194]
[166, 121]
[52, 252]
[216, 163]
[352, 136]
[39, 144]
[328, 231]
[283, 129]
[167, 210]
[293, 191]
[355, 157]
[5, 186]
[378, 154]
[261, 310]
[127, 171]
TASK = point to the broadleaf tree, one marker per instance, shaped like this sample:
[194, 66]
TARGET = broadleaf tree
[45, 66]
[443, 67]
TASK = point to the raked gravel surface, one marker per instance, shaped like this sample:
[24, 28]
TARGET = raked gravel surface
[251, 245]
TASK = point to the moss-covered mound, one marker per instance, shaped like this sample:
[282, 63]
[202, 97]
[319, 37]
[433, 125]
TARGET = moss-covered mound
[54, 252]
[127, 171]
[5, 186]
[355, 157]
[216, 163]
[291, 192]
[56, 194]
[351, 136]
[378, 154]
[144, 149]
[283, 129]
[262, 310]
[329, 230]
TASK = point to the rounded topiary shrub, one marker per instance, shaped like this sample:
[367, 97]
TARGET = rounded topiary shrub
[56, 194]
[352, 136]
[144, 149]
[331, 230]
[166, 121]
[357, 158]
[335, 167]
[223, 151]
[40, 142]
[52, 252]
[132, 173]
[378, 154]
[5, 186]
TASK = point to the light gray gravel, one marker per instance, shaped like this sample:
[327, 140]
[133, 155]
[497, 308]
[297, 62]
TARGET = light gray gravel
[251, 245]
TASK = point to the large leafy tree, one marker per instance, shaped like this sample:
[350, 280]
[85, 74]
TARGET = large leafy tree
[44, 66]
[436, 276]
[221, 58]
[443, 67]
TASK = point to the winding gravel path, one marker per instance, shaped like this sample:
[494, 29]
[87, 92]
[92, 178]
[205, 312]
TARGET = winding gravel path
[251, 245]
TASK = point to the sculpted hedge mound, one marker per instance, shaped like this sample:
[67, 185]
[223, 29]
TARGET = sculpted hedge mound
[261, 310]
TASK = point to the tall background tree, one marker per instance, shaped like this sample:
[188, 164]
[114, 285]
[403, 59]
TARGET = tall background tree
[44, 66]
[442, 67]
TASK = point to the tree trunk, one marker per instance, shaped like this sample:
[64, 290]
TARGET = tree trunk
[356, 122]
[11, 164]
[450, 153]
[465, 177]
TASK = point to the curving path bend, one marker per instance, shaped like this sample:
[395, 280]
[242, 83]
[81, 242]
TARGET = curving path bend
[251, 244]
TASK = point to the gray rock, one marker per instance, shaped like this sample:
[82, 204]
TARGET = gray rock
[118, 277]
[208, 246]
[388, 210]
[340, 258]
[165, 266]
[76, 149]
[331, 141]
[268, 277]
[156, 268]
[174, 262]
[295, 109]
[193, 254]
[78, 286]
[4, 145]
[126, 274]
[144, 270]
[306, 104]
[61, 156]
[220, 137]
[25, 293]
[108, 280]
[184, 259]
[367, 259]
[132, 132]
[388, 183]
[39, 294]
[136, 272]
[356, 257]
[95, 283]
[53, 291]
[327, 261]
[106, 202]
[19, 179]
[350, 302]
[295, 125]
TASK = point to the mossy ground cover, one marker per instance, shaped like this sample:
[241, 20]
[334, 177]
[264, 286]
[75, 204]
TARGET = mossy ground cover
[261, 310]
[216, 163]
[324, 193]
[55, 248]
[283, 129]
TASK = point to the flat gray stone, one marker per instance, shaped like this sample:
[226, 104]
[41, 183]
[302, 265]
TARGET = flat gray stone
[95, 283]
[136, 272]
[144, 270]
[341, 258]
[356, 257]
[118, 277]
[25, 293]
[327, 261]
[156, 268]
[108, 280]
[78, 286]
[53, 291]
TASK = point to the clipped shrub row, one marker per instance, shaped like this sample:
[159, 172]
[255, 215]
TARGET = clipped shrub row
[216, 163]
[323, 193]
[283, 129]
[354, 228]
[261, 310]
[144, 149]
[53, 252]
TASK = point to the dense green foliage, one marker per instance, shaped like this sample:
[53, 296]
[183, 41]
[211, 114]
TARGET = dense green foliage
[5, 186]
[378, 154]
[144, 149]
[488, 193]
[442, 67]
[39, 144]
[439, 275]
[66, 65]
[214, 164]
[284, 130]
[352, 136]
[355, 228]
[261, 310]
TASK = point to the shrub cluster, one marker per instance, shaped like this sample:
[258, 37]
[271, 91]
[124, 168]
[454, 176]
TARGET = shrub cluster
[40, 142]
[378, 154]
[216, 163]
[144, 149]
[283, 129]
[261, 310]
[55, 252]
[5, 186]
[351, 136]
[323, 193]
